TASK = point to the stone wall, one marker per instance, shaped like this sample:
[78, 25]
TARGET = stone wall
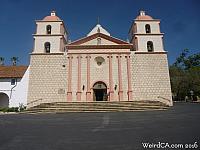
[47, 79]
[150, 77]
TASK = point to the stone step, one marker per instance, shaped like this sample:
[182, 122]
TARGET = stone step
[102, 104]
[98, 106]
[94, 108]
[91, 110]
[108, 102]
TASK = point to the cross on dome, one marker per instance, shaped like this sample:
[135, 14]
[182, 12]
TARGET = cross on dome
[53, 13]
[52, 17]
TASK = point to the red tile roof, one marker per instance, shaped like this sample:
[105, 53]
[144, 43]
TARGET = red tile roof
[145, 17]
[51, 18]
[12, 71]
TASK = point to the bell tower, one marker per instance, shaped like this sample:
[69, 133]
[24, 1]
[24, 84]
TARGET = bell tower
[51, 35]
[145, 34]
[150, 71]
[48, 62]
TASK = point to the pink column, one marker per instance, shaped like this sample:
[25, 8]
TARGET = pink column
[111, 92]
[120, 78]
[78, 94]
[129, 78]
[69, 91]
[88, 92]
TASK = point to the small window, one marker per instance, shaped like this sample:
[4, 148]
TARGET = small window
[13, 81]
[98, 41]
[48, 28]
[150, 46]
[47, 46]
[148, 28]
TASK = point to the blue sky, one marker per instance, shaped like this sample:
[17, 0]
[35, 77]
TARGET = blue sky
[180, 21]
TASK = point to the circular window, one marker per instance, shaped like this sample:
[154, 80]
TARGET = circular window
[99, 60]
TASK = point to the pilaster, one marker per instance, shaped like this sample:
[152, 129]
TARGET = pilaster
[120, 92]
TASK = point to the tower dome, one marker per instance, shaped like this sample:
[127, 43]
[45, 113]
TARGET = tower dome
[52, 17]
[143, 16]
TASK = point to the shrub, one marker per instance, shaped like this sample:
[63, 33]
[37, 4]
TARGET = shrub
[6, 109]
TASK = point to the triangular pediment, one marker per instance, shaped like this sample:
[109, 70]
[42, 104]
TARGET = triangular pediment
[104, 40]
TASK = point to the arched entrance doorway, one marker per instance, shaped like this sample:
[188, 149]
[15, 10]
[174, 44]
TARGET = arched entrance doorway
[4, 100]
[100, 91]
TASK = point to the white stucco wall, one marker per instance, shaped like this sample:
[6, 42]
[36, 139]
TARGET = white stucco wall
[157, 42]
[55, 38]
[17, 93]
[21, 91]
[55, 27]
[5, 86]
[154, 25]
[54, 41]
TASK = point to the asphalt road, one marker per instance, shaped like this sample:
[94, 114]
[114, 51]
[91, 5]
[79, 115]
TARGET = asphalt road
[101, 131]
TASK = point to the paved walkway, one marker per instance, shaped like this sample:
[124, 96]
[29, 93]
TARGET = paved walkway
[101, 131]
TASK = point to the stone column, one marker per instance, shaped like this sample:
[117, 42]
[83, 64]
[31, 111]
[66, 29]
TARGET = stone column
[69, 91]
[129, 78]
[120, 92]
[88, 92]
[78, 94]
[111, 91]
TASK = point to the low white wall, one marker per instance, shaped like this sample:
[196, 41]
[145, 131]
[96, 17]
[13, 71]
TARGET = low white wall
[17, 93]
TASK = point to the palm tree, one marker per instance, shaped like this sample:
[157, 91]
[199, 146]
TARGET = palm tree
[1, 61]
[14, 60]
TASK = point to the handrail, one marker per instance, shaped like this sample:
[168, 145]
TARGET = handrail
[164, 98]
[34, 101]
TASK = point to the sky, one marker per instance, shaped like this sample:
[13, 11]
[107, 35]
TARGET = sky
[180, 21]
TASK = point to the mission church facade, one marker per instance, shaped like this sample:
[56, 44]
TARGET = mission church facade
[98, 67]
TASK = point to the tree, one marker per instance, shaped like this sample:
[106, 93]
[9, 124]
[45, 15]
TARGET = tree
[185, 75]
[186, 62]
[14, 60]
[1, 61]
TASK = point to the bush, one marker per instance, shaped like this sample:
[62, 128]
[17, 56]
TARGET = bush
[13, 109]
[6, 109]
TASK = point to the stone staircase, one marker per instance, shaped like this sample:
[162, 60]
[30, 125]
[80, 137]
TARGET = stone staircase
[97, 107]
